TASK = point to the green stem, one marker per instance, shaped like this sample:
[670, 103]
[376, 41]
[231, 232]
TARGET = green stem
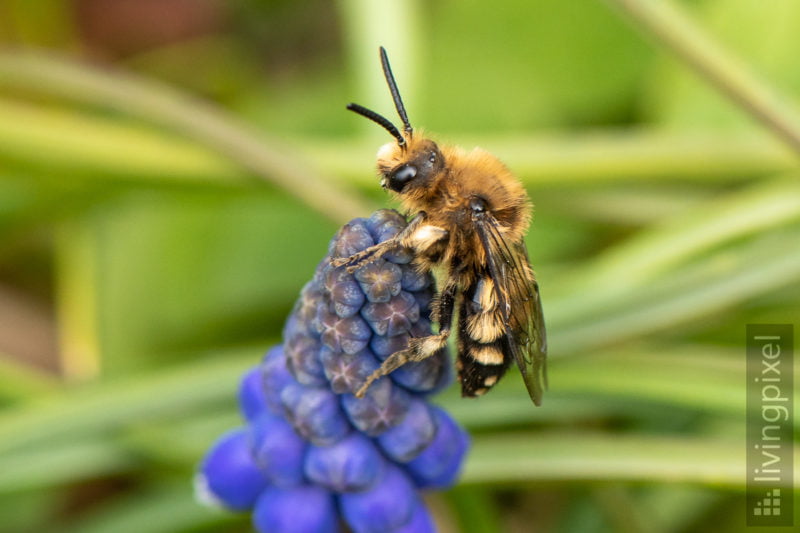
[557, 456]
[394, 25]
[669, 26]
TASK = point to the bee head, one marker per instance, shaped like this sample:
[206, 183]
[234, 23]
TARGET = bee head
[409, 167]
[409, 163]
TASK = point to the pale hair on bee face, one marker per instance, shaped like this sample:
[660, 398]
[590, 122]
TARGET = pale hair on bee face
[386, 151]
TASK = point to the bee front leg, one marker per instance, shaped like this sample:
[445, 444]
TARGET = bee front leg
[416, 233]
[422, 347]
[364, 257]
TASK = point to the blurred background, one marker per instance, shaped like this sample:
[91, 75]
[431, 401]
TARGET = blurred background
[171, 172]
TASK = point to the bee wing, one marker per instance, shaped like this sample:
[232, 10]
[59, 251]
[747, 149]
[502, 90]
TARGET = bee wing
[517, 294]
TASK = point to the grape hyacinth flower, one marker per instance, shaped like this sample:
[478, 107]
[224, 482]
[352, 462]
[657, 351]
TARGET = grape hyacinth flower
[314, 458]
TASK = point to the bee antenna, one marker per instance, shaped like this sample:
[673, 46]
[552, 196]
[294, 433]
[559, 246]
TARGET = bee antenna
[379, 119]
[398, 102]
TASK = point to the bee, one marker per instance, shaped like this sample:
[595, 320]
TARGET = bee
[468, 217]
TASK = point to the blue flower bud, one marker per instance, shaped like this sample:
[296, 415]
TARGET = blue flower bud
[305, 310]
[347, 372]
[388, 505]
[421, 521]
[383, 406]
[252, 396]
[276, 377]
[383, 346]
[429, 375]
[314, 413]
[303, 509]
[349, 335]
[438, 465]
[400, 256]
[385, 224]
[346, 296]
[393, 317]
[302, 358]
[444, 375]
[351, 465]
[352, 238]
[424, 299]
[413, 280]
[228, 474]
[278, 451]
[380, 280]
[413, 434]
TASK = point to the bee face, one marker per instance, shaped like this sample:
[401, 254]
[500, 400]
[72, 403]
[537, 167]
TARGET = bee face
[405, 170]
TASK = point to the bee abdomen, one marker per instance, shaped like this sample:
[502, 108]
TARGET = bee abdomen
[480, 365]
[484, 323]
[481, 358]
[485, 327]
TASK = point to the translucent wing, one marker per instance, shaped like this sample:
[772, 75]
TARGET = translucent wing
[517, 294]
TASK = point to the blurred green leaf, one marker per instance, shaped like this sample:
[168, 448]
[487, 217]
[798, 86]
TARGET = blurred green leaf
[38, 22]
[236, 264]
[104, 147]
[709, 288]
[527, 457]
[66, 462]
[763, 38]
[163, 508]
[112, 405]
[476, 509]
[180, 112]
[558, 64]
[18, 382]
[696, 379]
[669, 243]
[129, 209]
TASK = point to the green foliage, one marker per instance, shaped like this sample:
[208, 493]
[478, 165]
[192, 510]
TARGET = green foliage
[154, 235]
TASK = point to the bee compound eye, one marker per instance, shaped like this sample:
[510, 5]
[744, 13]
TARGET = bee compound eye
[432, 157]
[405, 173]
[398, 179]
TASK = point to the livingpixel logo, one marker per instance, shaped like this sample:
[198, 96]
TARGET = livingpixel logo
[770, 420]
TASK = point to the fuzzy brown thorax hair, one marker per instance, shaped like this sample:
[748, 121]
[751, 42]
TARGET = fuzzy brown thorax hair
[457, 176]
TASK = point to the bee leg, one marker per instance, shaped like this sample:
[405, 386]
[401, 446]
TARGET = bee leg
[422, 347]
[417, 350]
[364, 257]
[409, 237]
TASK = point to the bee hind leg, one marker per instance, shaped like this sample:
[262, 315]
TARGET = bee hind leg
[418, 349]
[421, 347]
